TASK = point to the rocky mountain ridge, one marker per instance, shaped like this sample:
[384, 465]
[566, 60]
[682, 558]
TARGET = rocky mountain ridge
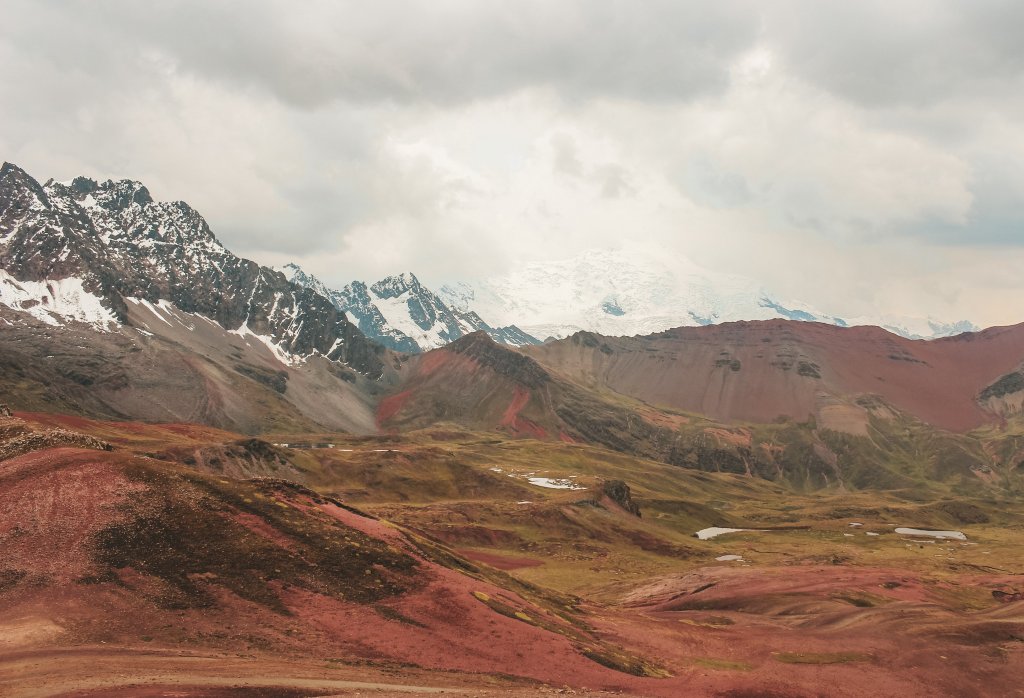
[402, 314]
[85, 249]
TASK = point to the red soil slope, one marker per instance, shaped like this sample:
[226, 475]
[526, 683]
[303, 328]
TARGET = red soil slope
[57, 501]
[474, 382]
[758, 371]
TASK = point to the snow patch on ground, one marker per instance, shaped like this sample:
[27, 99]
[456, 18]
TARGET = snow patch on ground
[280, 354]
[715, 531]
[551, 483]
[941, 535]
[154, 309]
[555, 483]
[55, 300]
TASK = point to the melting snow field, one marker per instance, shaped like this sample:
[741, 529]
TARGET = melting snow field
[714, 532]
[942, 535]
[48, 300]
[551, 483]
[555, 483]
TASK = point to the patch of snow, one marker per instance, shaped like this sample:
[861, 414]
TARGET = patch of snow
[279, 353]
[555, 483]
[715, 531]
[154, 309]
[729, 558]
[54, 299]
[941, 535]
[396, 313]
[871, 533]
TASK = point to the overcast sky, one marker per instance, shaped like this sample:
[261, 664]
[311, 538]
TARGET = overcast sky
[866, 157]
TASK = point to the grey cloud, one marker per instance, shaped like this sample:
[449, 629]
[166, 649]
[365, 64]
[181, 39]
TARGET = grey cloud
[615, 181]
[432, 51]
[914, 53]
[706, 183]
[996, 218]
[567, 159]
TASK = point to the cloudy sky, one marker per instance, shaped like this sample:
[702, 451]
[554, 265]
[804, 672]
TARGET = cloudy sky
[867, 157]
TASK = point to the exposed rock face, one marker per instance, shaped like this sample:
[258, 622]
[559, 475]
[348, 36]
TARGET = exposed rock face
[5, 411]
[402, 314]
[618, 491]
[123, 244]
[482, 348]
[355, 300]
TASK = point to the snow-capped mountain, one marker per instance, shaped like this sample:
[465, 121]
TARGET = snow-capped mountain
[916, 327]
[403, 314]
[84, 250]
[620, 294]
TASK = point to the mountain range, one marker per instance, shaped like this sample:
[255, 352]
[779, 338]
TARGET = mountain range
[400, 313]
[626, 293]
[115, 305]
[610, 292]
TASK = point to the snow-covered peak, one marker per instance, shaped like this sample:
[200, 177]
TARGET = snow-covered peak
[122, 194]
[22, 190]
[403, 314]
[916, 327]
[113, 195]
[617, 292]
[123, 212]
[395, 286]
[297, 275]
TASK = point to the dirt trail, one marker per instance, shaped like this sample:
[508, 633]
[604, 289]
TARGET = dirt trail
[91, 671]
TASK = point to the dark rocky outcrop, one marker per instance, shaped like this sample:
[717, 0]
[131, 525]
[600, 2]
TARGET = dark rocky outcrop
[618, 491]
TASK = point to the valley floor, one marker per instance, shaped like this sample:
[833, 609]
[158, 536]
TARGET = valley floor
[189, 562]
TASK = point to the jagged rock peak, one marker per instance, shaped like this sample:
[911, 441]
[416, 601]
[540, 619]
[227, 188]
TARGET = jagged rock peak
[15, 179]
[394, 286]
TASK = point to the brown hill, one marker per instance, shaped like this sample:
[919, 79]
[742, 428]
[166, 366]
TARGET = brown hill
[171, 366]
[789, 402]
[479, 384]
[760, 371]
